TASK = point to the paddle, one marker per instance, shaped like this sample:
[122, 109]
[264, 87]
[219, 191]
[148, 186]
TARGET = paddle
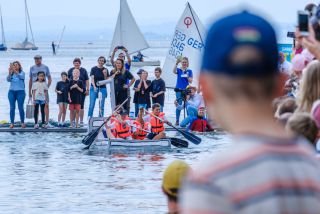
[90, 137]
[194, 139]
[174, 141]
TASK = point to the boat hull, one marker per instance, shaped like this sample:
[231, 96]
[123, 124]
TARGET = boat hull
[3, 48]
[124, 146]
[140, 64]
[25, 49]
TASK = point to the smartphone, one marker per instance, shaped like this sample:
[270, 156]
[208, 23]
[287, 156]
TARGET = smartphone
[291, 35]
[120, 47]
[303, 23]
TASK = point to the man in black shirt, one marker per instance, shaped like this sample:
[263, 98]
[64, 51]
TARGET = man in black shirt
[158, 88]
[141, 87]
[85, 79]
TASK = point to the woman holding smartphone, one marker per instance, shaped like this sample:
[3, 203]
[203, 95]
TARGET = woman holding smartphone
[16, 92]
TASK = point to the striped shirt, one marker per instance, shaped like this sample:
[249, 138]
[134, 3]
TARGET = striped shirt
[258, 176]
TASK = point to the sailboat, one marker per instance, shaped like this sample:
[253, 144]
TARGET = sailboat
[26, 44]
[188, 42]
[128, 34]
[3, 46]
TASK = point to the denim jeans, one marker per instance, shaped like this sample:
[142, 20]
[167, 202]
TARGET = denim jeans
[179, 99]
[93, 96]
[186, 121]
[192, 111]
[18, 96]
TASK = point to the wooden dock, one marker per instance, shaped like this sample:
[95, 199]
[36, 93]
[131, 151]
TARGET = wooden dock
[53, 130]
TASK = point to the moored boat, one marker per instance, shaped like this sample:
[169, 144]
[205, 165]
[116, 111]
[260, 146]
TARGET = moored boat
[3, 46]
[26, 44]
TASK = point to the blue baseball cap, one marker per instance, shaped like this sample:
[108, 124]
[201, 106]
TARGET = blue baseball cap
[228, 34]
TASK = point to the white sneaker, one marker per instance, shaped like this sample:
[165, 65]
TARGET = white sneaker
[36, 126]
[49, 125]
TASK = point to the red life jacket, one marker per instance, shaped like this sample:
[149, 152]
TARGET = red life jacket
[139, 134]
[199, 125]
[122, 130]
[157, 125]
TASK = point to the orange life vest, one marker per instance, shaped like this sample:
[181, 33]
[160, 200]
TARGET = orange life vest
[139, 134]
[113, 119]
[157, 125]
[122, 130]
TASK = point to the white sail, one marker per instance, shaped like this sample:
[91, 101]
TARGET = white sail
[187, 41]
[26, 44]
[127, 32]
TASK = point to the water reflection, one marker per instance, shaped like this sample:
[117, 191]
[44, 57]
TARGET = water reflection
[52, 174]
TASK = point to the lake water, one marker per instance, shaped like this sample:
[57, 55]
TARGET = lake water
[50, 173]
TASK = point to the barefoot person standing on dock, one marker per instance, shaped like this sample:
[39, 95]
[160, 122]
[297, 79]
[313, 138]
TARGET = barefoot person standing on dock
[268, 169]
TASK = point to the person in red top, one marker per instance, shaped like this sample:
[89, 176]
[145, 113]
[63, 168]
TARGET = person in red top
[200, 123]
[157, 125]
[141, 128]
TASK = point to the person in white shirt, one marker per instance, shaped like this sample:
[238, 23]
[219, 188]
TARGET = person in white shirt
[284, 65]
[192, 103]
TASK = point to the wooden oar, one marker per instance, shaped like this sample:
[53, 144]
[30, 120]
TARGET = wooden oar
[194, 139]
[179, 143]
[89, 138]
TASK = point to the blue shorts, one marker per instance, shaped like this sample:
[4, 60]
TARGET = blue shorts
[40, 102]
[150, 136]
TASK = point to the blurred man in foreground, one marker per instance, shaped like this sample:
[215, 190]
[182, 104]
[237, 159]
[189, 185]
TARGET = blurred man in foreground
[268, 170]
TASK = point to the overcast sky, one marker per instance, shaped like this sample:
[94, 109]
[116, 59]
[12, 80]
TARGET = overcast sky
[102, 14]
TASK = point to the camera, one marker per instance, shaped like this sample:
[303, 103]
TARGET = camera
[184, 92]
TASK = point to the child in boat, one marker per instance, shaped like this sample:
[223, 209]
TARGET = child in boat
[75, 96]
[39, 94]
[157, 120]
[109, 130]
[121, 127]
[140, 128]
[62, 89]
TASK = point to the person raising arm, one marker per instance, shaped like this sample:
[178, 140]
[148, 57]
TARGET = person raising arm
[121, 56]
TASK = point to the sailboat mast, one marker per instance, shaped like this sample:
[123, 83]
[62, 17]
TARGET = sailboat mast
[26, 18]
[121, 30]
[27, 14]
[64, 27]
[2, 31]
[195, 21]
